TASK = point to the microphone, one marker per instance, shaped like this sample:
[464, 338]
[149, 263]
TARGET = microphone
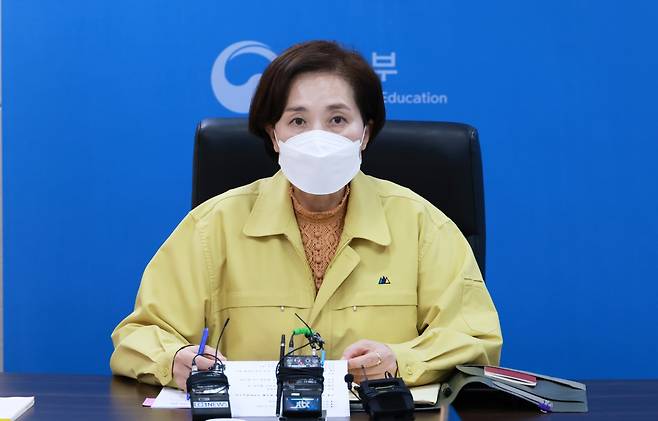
[349, 379]
[219, 339]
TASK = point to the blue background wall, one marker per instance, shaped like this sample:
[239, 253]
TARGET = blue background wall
[101, 101]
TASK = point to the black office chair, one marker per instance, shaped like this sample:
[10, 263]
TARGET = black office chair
[439, 161]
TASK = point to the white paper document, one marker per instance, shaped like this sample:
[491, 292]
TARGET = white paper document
[252, 390]
[13, 407]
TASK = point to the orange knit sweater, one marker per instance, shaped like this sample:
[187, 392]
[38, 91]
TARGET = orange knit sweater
[321, 233]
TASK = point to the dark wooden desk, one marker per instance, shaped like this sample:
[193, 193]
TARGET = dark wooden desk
[98, 398]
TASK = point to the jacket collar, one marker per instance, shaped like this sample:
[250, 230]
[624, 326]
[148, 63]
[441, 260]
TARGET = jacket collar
[273, 214]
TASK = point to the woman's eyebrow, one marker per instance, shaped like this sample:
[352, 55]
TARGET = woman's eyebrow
[331, 107]
[338, 106]
[295, 109]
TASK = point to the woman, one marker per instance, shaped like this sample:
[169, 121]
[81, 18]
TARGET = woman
[385, 277]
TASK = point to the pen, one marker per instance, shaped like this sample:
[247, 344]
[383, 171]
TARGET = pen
[204, 339]
[282, 353]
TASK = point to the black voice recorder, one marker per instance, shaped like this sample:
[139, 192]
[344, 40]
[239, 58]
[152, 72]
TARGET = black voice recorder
[384, 399]
[208, 389]
[300, 378]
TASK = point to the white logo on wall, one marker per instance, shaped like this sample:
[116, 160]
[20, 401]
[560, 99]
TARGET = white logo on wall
[237, 97]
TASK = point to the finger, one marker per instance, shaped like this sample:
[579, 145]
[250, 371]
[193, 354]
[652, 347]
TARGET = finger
[378, 372]
[204, 363]
[183, 365]
[206, 350]
[372, 372]
[357, 348]
[211, 350]
[370, 359]
[200, 360]
[183, 359]
[369, 371]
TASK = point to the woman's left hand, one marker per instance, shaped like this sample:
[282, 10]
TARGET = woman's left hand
[375, 357]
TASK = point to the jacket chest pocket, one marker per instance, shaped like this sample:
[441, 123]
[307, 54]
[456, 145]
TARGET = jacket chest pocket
[388, 317]
[257, 323]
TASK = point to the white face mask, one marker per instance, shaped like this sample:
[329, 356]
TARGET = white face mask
[320, 162]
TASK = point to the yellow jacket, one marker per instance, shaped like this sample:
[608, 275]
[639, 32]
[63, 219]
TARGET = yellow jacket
[240, 255]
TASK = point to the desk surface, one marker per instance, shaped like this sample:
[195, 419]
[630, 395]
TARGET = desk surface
[99, 398]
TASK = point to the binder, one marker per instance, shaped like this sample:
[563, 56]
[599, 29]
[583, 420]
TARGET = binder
[550, 394]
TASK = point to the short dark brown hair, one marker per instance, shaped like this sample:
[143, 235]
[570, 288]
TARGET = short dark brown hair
[271, 95]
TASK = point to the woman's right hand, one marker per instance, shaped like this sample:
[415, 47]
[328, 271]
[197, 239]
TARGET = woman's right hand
[183, 363]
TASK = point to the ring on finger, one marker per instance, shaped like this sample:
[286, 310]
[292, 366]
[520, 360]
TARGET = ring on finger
[379, 358]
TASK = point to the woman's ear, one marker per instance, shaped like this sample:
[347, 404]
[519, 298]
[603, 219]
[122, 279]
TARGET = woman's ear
[270, 131]
[366, 135]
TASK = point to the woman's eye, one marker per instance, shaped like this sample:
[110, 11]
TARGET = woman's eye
[338, 120]
[297, 121]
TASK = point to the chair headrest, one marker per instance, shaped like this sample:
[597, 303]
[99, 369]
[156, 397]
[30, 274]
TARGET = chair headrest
[440, 161]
